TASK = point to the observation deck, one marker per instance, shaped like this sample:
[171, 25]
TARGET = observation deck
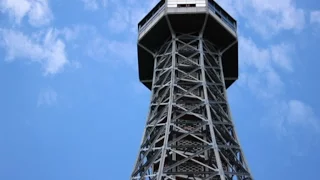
[171, 17]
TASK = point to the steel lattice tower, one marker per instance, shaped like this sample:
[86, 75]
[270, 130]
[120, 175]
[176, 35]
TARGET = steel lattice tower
[188, 57]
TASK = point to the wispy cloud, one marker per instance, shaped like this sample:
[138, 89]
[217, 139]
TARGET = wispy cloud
[99, 47]
[262, 62]
[315, 22]
[90, 4]
[112, 51]
[74, 32]
[119, 20]
[93, 5]
[275, 15]
[294, 122]
[130, 51]
[287, 116]
[301, 114]
[37, 11]
[47, 97]
[46, 49]
[126, 16]
[315, 17]
[260, 72]
[43, 46]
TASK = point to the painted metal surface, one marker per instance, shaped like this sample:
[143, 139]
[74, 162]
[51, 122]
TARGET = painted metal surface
[189, 131]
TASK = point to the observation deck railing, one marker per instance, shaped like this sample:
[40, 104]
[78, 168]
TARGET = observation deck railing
[159, 8]
[226, 18]
[212, 6]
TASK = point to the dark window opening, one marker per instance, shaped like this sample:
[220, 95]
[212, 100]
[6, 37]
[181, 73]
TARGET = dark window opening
[218, 14]
[186, 5]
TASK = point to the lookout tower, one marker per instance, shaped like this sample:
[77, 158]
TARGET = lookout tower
[188, 57]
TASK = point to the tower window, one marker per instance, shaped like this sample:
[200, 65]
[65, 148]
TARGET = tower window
[186, 5]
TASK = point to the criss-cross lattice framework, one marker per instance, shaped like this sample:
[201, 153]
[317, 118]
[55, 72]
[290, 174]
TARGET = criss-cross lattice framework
[189, 132]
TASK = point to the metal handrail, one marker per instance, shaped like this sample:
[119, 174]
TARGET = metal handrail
[211, 7]
[224, 18]
[152, 17]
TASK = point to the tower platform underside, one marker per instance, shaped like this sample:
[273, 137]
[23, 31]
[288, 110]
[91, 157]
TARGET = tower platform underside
[189, 132]
[167, 22]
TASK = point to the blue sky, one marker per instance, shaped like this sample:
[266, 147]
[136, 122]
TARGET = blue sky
[72, 108]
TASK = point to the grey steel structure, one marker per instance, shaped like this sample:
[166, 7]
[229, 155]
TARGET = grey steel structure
[188, 57]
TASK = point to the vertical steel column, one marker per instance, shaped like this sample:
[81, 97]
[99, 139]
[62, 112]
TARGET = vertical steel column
[168, 123]
[206, 101]
[136, 166]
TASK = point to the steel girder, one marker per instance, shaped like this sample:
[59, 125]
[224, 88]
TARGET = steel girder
[189, 132]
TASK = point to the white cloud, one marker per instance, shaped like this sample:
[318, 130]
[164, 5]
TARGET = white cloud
[16, 8]
[96, 48]
[93, 5]
[294, 122]
[315, 22]
[290, 115]
[99, 47]
[70, 33]
[37, 11]
[112, 51]
[49, 51]
[47, 97]
[280, 56]
[90, 4]
[275, 15]
[127, 16]
[104, 3]
[258, 74]
[263, 59]
[300, 113]
[252, 55]
[119, 20]
[315, 17]
[262, 62]
[118, 48]
[76, 64]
